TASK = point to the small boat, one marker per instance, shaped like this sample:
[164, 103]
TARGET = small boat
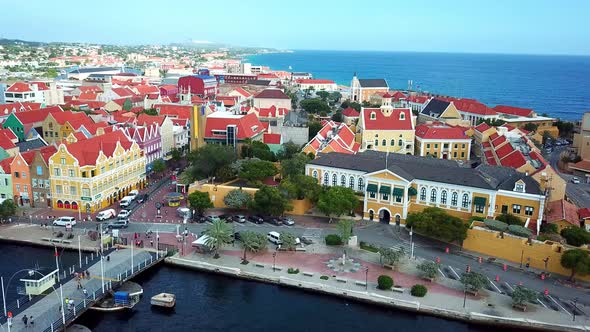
[127, 296]
[165, 300]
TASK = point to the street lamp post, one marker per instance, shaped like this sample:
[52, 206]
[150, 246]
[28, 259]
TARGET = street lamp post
[411, 242]
[274, 259]
[575, 308]
[367, 278]
[521, 257]
[464, 296]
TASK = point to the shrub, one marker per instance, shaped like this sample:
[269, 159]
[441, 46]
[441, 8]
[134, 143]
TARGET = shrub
[292, 271]
[550, 237]
[333, 240]
[496, 225]
[428, 269]
[510, 219]
[519, 231]
[59, 234]
[419, 290]
[549, 228]
[477, 218]
[384, 282]
[368, 247]
[324, 277]
[575, 236]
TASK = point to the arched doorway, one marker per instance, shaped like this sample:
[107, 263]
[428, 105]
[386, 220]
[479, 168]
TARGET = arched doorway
[384, 216]
[397, 220]
[371, 215]
[67, 205]
[74, 205]
[60, 204]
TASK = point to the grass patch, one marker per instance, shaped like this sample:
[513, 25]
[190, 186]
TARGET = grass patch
[292, 271]
[368, 247]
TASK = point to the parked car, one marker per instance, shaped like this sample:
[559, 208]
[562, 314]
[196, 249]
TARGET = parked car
[183, 212]
[106, 214]
[125, 201]
[273, 221]
[306, 240]
[274, 237]
[142, 198]
[575, 180]
[64, 221]
[117, 224]
[255, 219]
[199, 219]
[123, 214]
[288, 221]
[212, 218]
[226, 217]
[239, 218]
[133, 194]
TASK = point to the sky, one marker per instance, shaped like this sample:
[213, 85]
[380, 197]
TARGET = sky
[472, 26]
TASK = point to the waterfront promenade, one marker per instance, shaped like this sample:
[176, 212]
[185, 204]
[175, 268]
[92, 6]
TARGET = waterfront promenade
[445, 297]
[47, 312]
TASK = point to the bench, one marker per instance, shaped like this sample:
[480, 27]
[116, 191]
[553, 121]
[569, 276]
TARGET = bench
[259, 265]
[387, 266]
[278, 268]
[46, 239]
[308, 274]
[398, 289]
[66, 241]
[300, 249]
[341, 280]
[56, 240]
[360, 283]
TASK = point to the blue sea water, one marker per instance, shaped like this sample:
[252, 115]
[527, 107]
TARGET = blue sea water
[556, 85]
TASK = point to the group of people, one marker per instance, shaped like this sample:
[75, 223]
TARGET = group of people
[28, 321]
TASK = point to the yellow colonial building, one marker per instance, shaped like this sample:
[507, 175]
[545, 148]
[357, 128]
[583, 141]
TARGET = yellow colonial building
[93, 173]
[386, 129]
[392, 186]
[439, 140]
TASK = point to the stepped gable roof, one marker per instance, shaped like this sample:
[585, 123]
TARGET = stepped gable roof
[438, 170]
[391, 122]
[32, 144]
[518, 111]
[373, 83]
[562, 210]
[248, 125]
[435, 107]
[268, 138]
[87, 151]
[174, 110]
[482, 127]
[350, 112]
[19, 87]
[272, 94]
[30, 117]
[439, 131]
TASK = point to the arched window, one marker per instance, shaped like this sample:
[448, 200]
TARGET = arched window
[326, 179]
[334, 179]
[343, 181]
[400, 142]
[384, 142]
[376, 142]
[454, 199]
[465, 201]
[361, 184]
[433, 196]
[351, 183]
[402, 116]
[373, 116]
[443, 197]
[392, 143]
[423, 194]
[315, 174]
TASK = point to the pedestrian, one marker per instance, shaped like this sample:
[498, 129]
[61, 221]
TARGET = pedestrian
[25, 320]
[72, 303]
[67, 301]
[31, 321]
[152, 243]
[135, 236]
[108, 258]
[87, 274]
[85, 292]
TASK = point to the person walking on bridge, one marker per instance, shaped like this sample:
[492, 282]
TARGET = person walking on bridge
[25, 320]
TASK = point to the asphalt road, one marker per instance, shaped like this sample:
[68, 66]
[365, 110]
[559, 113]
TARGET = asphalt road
[578, 193]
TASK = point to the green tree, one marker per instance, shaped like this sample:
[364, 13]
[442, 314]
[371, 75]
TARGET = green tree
[200, 201]
[338, 117]
[288, 241]
[347, 103]
[51, 73]
[252, 242]
[521, 295]
[336, 201]
[209, 159]
[428, 269]
[237, 199]
[315, 106]
[150, 111]
[323, 95]
[127, 105]
[176, 155]
[492, 122]
[314, 127]
[532, 127]
[288, 151]
[158, 166]
[219, 233]
[335, 96]
[577, 260]
[390, 256]
[474, 281]
[294, 166]
[257, 149]
[344, 229]
[256, 170]
[436, 223]
[270, 200]
[300, 187]
[566, 128]
[510, 219]
[575, 236]
[7, 209]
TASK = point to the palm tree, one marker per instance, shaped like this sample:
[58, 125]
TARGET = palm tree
[253, 242]
[288, 241]
[219, 233]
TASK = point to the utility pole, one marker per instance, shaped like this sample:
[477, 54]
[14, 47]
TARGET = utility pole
[79, 251]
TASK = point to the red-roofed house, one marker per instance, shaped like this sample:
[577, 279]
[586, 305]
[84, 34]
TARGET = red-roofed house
[272, 97]
[333, 137]
[166, 131]
[240, 93]
[6, 109]
[35, 92]
[95, 173]
[511, 110]
[474, 111]
[387, 129]
[269, 114]
[272, 139]
[54, 126]
[584, 214]
[442, 141]
[21, 123]
[317, 84]
[175, 111]
[145, 89]
[350, 115]
[563, 214]
[232, 129]
[416, 103]
[39, 173]
[168, 90]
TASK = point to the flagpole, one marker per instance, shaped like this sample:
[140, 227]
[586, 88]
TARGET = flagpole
[57, 262]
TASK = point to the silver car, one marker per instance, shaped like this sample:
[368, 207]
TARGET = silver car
[288, 221]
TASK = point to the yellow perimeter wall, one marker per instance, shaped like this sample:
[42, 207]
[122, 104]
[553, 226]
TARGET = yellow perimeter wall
[511, 248]
[218, 192]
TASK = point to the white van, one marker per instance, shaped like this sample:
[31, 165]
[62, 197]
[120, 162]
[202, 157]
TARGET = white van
[274, 237]
[106, 214]
[126, 201]
[133, 194]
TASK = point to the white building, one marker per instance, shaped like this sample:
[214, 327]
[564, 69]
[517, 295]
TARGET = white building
[34, 92]
[317, 84]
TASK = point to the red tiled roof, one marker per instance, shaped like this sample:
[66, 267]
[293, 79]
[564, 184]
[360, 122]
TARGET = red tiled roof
[123, 92]
[30, 117]
[327, 127]
[5, 142]
[498, 141]
[19, 87]
[9, 133]
[351, 113]
[93, 127]
[514, 160]
[272, 112]
[47, 152]
[492, 161]
[169, 87]
[180, 122]
[314, 81]
[482, 127]
[271, 76]
[146, 89]
[41, 86]
[562, 210]
[488, 154]
[513, 110]
[227, 100]
[386, 95]
[248, 125]
[504, 150]
[5, 164]
[145, 119]
[243, 92]
[87, 151]
[584, 213]
[582, 165]
[271, 138]
[392, 122]
[87, 96]
[174, 110]
[62, 117]
[265, 125]
[493, 136]
[90, 89]
[418, 99]
[474, 107]
[398, 95]
[272, 94]
[443, 132]
[486, 145]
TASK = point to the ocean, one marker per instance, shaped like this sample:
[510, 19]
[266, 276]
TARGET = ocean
[556, 85]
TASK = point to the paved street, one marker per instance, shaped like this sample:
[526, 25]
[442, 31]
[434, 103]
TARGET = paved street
[578, 193]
